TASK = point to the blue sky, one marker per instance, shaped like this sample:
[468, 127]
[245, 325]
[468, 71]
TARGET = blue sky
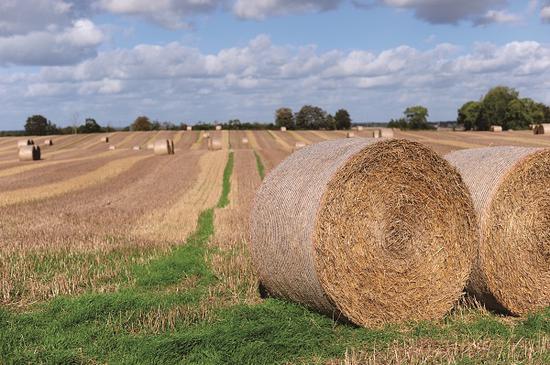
[189, 60]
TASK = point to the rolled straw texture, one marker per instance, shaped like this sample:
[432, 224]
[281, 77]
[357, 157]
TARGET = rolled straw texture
[375, 231]
[510, 187]
[162, 147]
[350, 135]
[496, 128]
[386, 133]
[105, 139]
[29, 153]
[543, 128]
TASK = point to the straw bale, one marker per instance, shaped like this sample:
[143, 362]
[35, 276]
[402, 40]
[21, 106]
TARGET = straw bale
[543, 128]
[376, 133]
[150, 146]
[205, 135]
[510, 187]
[386, 133]
[162, 147]
[350, 135]
[29, 153]
[48, 142]
[360, 128]
[244, 140]
[218, 127]
[376, 231]
[136, 148]
[214, 144]
[25, 142]
[496, 128]
[105, 139]
[283, 129]
[189, 128]
[112, 148]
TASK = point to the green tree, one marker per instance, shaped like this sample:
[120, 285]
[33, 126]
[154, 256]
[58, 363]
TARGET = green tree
[343, 120]
[330, 123]
[284, 117]
[90, 126]
[494, 106]
[38, 125]
[417, 117]
[468, 114]
[310, 117]
[142, 123]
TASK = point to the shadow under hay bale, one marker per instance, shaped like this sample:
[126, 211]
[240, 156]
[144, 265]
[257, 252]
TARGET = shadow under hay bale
[378, 231]
[510, 187]
[30, 153]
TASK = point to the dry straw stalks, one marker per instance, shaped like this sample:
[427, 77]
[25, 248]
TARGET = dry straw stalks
[376, 231]
[510, 187]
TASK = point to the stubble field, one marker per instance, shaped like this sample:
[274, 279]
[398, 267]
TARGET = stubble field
[121, 256]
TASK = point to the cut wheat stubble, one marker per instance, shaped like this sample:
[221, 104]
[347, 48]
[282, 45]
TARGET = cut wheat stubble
[376, 231]
[510, 187]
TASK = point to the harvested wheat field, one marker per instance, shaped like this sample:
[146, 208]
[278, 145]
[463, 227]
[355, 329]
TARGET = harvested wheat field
[364, 249]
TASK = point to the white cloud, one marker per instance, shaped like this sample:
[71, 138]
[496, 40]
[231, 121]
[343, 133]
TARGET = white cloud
[545, 13]
[498, 16]
[53, 46]
[260, 9]
[182, 83]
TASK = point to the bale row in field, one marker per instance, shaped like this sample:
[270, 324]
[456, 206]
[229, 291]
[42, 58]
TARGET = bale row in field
[382, 133]
[510, 187]
[29, 153]
[376, 231]
[496, 128]
[543, 128]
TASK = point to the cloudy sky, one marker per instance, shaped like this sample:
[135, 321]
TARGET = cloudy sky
[193, 60]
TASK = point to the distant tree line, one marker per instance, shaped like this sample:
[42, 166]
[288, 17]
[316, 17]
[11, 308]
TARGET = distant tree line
[502, 106]
[415, 118]
[312, 117]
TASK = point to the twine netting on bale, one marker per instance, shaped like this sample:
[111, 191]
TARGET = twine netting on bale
[162, 147]
[510, 187]
[376, 231]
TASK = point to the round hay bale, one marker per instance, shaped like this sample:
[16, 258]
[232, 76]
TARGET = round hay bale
[543, 128]
[25, 142]
[112, 148]
[244, 141]
[162, 147]
[214, 144]
[283, 129]
[29, 153]
[376, 133]
[48, 142]
[386, 133]
[218, 127]
[189, 128]
[137, 148]
[496, 128]
[205, 135]
[378, 231]
[299, 146]
[105, 139]
[350, 135]
[510, 187]
[359, 128]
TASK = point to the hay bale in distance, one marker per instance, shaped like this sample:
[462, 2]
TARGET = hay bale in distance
[496, 128]
[29, 153]
[350, 135]
[205, 135]
[105, 139]
[162, 147]
[218, 127]
[244, 141]
[376, 133]
[283, 129]
[360, 128]
[48, 142]
[189, 128]
[386, 133]
[112, 148]
[214, 144]
[510, 187]
[136, 148]
[543, 128]
[379, 231]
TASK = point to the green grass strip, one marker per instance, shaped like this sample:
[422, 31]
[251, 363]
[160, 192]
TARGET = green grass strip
[260, 165]
[226, 187]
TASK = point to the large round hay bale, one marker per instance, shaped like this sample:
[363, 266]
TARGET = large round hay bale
[360, 128]
[218, 127]
[48, 142]
[244, 141]
[283, 129]
[162, 147]
[510, 187]
[136, 148]
[205, 135]
[214, 144]
[350, 135]
[112, 148]
[189, 128]
[25, 142]
[376, 231]
[386, 133]
[105, 139]
[376, 133]
[496, 128]
[543, 128]
[29, 153]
